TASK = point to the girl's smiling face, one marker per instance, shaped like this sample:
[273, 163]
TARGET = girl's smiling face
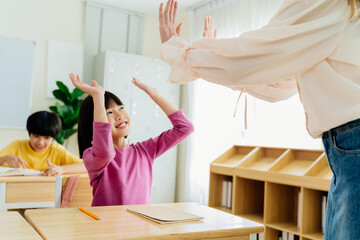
[119, 119]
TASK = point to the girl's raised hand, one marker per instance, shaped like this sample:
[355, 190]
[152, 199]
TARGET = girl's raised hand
[94, 90]
[209, 32]
[142, 86]
[167, 18]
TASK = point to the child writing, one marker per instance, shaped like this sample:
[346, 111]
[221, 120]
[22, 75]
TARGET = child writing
[41, 151]
[121, 174]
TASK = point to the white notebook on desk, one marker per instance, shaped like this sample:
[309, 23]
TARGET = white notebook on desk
[8, 171]
[163, 214]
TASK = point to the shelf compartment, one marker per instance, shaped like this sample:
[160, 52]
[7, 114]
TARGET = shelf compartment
[320, 169]
[271, 234]
[230, 159]
[216, 190]
[281, 207]
[312, 211]
[296, 161]
[290, 227]
[313, 236]
[249, 199]
[275, 234]
[262, 158]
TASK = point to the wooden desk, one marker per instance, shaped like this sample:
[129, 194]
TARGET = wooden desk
[117, 223]
[14, 226]
[83, 193]
[30, 192]
[41, 191]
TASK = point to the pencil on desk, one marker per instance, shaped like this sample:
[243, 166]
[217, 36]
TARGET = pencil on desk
[28, 167]
[89, 213]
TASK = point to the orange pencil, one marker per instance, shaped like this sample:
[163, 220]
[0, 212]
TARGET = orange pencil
[89, 213]
[31, 168]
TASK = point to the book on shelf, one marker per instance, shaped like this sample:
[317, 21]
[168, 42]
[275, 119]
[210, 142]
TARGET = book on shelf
[284, 236]
[8, 171]
[229, 194]
[257, 236]
[287, 236]
[299, 210]
[226, 195]
[163, 214]
[323, 212]
[290, 236]
[260, 236]
[253, 236]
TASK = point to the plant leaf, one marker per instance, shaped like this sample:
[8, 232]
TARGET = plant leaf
[53, 109]
[68, 111]
[60, 138]
[64, 111]
[76, 93]
[69, 132]
[63, 88]
[61, 96]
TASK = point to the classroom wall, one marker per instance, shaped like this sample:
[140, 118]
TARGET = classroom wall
[44, 20]
[40, 21]
[151, 48]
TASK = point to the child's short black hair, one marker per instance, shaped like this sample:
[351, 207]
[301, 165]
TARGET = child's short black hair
[44, 123]
[86, 119]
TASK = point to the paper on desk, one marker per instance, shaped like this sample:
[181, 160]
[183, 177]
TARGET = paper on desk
[163, 214]
[8, 171]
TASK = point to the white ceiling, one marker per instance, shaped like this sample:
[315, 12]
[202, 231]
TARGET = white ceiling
[146, 6]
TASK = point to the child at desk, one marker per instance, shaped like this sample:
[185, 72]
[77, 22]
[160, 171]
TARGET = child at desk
[41, 151]
[121, 174]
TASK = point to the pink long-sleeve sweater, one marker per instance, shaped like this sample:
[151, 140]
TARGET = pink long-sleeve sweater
[123, 176]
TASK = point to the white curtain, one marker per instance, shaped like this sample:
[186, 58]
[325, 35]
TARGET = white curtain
[279, 124]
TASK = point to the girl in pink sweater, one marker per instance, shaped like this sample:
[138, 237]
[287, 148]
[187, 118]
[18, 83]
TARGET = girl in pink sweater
[121, 174]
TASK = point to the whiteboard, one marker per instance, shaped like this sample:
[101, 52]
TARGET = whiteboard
[16, 73]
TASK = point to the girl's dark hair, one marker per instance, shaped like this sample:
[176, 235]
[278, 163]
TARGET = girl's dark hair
[86, 119]
[44, 123]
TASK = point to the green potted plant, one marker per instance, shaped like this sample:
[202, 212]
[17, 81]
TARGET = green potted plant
[68, 111]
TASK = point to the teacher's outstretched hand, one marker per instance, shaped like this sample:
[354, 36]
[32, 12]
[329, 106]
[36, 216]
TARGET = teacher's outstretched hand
[167, 18]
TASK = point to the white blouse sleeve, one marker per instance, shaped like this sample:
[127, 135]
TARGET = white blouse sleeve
[273, 92]
[301, 34]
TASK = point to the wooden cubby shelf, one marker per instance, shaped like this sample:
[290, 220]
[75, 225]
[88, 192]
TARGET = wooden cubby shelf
[279, 187]
[248, 199]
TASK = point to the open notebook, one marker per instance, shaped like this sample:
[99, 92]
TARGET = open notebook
[7, 171]
[163, 214]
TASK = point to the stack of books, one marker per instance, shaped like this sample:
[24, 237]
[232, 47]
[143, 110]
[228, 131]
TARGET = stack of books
[287, 236]
[257, 236]
[226, 193]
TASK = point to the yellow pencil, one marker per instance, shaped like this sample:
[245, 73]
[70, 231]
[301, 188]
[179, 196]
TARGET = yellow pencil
[89, 213]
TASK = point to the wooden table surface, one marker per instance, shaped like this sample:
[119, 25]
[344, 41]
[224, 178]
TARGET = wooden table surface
[117, 223]
[14, 226]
